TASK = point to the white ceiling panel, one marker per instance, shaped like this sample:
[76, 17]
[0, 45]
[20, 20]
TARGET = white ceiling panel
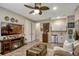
[63, 9]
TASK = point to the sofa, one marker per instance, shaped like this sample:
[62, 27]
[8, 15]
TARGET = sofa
[76, 50]
[60, 51]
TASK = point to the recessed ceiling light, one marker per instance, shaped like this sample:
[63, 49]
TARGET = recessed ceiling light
[54, 8]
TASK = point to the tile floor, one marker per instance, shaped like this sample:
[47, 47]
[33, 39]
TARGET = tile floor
[22, 51]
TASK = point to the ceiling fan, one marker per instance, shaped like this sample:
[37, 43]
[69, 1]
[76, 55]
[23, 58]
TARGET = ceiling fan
[38, 7]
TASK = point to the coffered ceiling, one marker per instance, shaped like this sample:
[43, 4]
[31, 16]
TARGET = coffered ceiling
[63, 9]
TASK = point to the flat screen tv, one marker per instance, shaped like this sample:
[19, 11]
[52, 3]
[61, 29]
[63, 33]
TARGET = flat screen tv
[10, 29]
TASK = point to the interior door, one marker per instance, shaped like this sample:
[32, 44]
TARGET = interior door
[45, 32]
[45, 37]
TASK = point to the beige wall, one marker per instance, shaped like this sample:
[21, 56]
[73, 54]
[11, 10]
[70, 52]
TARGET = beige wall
[64, 23]
[77, 19]
[38, 32]
[21, 20]
[71, 18]
[59, 24]
[77, 14]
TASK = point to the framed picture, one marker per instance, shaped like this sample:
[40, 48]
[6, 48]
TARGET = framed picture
[71, 25]
[70, 36]
[70, 31]
[12, 20]
[6, 18]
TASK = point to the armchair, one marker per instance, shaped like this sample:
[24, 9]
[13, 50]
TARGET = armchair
[59, 51]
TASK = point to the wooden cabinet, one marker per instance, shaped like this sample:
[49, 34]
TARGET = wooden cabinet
[17, 43]
[6, 46]
[11, 44]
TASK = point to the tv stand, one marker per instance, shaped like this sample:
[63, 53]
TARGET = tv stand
[11, 44]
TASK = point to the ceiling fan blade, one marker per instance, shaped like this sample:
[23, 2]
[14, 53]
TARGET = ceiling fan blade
[29, 6]
[36, 7]
[40, 13]
[31, 12]
[44, 8]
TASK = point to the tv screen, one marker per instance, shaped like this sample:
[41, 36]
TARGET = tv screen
[10, 29]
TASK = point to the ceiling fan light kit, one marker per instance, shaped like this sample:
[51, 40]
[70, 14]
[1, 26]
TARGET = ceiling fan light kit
[36, 11]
